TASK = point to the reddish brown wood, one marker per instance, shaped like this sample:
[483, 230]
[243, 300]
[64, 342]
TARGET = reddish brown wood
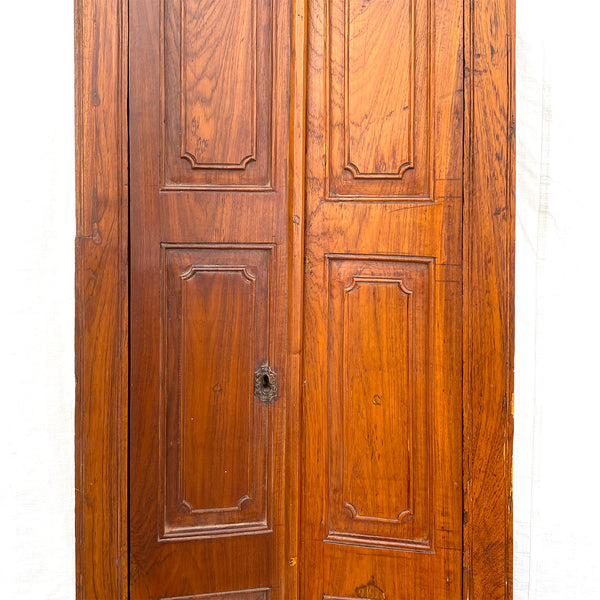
[379, 76]
[381, 231]
[216, 79]
[382, 402]
[380, 368]
[101, 299]
[209, 269]
[489, 300]
[213, 424]
[296, 286]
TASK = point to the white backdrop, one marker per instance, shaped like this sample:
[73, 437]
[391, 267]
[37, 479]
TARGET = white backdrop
[557, 395]
[37, 225]
[557, 405]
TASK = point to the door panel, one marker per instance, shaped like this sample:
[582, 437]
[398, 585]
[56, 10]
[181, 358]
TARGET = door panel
[382, 394]
[216, 325]
[209, 135]
[217, 78]
[379, 400]
[377, 64]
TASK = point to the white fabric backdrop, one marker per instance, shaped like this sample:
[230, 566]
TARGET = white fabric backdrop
[37, 229]
[557, 397]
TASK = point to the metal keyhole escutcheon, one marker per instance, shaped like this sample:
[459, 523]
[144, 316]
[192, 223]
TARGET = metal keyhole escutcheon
[265, 384]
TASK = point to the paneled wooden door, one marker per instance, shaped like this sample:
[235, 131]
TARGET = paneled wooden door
[209, 96]
[382, 402]
[221, 409]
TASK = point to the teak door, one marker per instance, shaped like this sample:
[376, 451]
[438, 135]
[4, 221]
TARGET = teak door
[311, 300]
[208, 186]
[381, 515]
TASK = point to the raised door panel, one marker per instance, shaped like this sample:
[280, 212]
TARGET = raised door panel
[379, 395]
[217, 87]
[379, 99]
[216, 446]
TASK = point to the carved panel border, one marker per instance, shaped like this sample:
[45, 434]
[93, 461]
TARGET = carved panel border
[252, 106]
[406, 512]
[391, 185]
[408, 163]
[184, 495]
[181, 169]
[251, 512]
[412, 527]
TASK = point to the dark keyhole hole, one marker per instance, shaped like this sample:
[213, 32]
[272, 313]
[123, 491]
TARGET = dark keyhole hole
[265, 381]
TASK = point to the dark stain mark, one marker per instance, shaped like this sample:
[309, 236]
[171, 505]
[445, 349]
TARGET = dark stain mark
[96, 234]
[308, 266]
[201, 146]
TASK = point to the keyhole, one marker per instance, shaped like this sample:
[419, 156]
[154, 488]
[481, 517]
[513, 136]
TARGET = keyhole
[266, 381]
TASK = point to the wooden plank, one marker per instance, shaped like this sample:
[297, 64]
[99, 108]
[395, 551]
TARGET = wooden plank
[489, 299]
[297, 180]
[101, 299]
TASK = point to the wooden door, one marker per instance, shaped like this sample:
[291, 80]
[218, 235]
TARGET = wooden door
[297, 325]
[208, 188]
[382, 402]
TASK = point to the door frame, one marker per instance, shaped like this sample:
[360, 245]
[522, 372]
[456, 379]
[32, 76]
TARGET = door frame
[101, 293]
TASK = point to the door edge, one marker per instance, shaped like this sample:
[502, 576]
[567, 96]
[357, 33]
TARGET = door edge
[488, 327]
[101, 299]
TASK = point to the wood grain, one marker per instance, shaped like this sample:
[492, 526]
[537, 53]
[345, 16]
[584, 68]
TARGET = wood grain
[296, 194]
[489, 300]
[217, 78]
[208, 281]
[380, 393]
[101, 299]
[455, 211]
[379, 85]
[379, 235]
[215, 313]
